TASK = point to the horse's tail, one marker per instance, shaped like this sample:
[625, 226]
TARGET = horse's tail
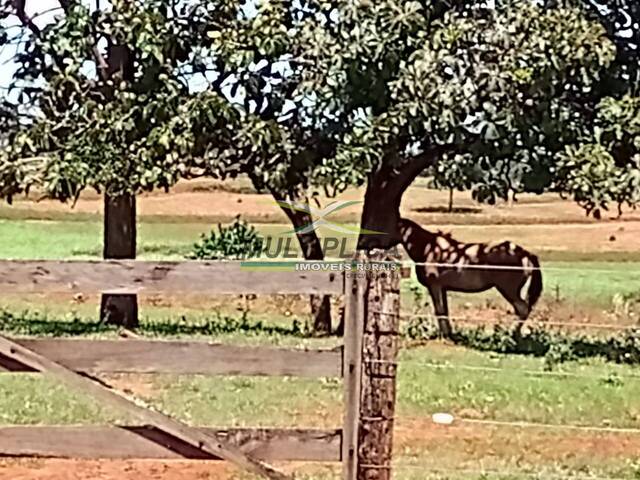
[535, 287]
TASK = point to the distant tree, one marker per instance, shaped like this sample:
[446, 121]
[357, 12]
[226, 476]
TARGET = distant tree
[453, 173]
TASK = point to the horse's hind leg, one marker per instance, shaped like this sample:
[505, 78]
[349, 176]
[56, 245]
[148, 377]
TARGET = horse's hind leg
[439, 297]
[512, 295]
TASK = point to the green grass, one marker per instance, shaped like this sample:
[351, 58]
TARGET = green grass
[27, 399]
[431, 378]
[593, 278]
[508, 395]
[592, 282]
[602, 394]
[607, 393]
[583, 283]
[82, 240]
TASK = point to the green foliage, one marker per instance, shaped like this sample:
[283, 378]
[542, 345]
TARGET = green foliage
[237, 241]
[479, 82]
[321, 93]
[607, 170]
[589, 174]
[125, 120]
[455, 172]
[36, 323]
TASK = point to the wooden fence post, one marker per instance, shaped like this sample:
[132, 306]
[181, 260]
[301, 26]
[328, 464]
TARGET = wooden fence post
[378, 380]
[355, 290]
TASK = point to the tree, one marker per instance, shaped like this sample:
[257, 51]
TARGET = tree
[602, 166]
[140, 125]
[325, 94]
[454, 173]
[105, 104]
[256, 60]
[594, 160]
[464, 80]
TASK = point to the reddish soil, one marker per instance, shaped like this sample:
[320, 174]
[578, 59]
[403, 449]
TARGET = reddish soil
[48, 469]
[538, 446]
[441, 446]
[212, 200]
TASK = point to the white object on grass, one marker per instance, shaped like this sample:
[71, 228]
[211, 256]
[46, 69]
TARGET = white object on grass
[442, 418]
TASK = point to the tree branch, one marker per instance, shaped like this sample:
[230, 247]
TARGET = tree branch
[25, 20]
[103, 67]
[402, 176]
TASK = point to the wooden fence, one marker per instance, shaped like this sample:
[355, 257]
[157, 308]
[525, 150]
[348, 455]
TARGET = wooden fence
[366, 363]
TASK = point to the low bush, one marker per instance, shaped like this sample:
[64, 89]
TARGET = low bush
[537, 340]
[235, 242]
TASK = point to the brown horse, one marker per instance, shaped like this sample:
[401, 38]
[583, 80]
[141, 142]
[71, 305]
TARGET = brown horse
[445, 264]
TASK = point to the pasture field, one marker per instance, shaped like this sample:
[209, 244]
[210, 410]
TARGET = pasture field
[582, 418]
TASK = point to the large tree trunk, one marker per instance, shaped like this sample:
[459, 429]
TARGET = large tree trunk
[119, 243]
[380, 215]
[385, 188]
[119, 215]
[311, 250]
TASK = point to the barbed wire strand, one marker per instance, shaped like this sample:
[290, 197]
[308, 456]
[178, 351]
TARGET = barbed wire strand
[538, 426]
[475, 266]
[535, 425]
[525, 323]
[498, 370]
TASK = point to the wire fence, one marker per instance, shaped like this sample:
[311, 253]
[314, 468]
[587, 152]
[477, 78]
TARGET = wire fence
[428, 469]
[517, 371]
[512, 321]
[462, 265]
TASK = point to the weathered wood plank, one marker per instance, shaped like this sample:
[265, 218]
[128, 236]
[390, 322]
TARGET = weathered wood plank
[197, 439]
[98, 442]
[178, 357]
[129, 276]
[352, 370]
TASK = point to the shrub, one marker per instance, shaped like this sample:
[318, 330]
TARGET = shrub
[237, 241]
[555, 346]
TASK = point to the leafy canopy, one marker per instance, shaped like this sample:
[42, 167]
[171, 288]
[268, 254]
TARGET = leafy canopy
[324, 93]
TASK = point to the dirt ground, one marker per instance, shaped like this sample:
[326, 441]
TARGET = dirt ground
[542, 222]
[418, 439]
[472, 442]
[204, 199]
[49, 469]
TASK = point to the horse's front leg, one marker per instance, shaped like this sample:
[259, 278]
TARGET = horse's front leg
[438, 298]
[441, 307]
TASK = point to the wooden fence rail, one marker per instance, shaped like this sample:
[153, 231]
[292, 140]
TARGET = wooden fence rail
[179, 357]
[132, 276]
[363, 444]
[93, 442]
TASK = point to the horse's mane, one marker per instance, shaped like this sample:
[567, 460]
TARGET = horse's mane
[406, 223]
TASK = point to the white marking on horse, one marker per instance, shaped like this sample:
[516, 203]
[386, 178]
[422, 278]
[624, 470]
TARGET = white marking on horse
[527, 268]
[473, 251]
